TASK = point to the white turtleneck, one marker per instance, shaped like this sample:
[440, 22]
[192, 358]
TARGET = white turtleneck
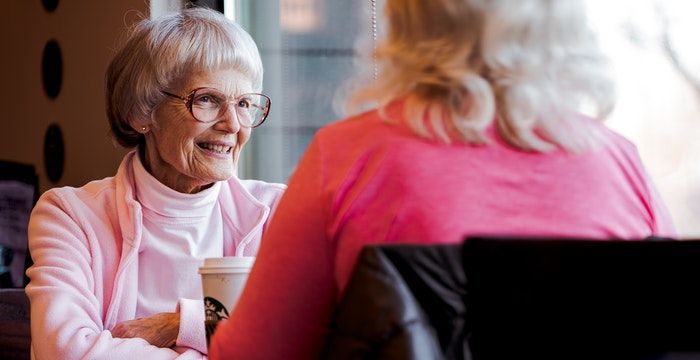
[179, 231]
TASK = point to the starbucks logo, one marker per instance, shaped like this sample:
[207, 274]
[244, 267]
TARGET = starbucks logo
[214, 310]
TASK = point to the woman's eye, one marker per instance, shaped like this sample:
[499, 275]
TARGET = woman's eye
[244, 103]
[207, 100]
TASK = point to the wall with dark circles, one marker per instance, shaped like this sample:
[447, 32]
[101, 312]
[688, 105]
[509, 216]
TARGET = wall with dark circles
[85, 34]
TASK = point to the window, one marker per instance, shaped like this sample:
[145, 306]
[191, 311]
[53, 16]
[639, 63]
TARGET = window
[656, 61]
[307, 47]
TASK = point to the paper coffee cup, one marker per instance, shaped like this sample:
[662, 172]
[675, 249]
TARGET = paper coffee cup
[223, 280]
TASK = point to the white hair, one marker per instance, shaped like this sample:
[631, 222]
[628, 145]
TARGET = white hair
[460, 65]
[159, 52]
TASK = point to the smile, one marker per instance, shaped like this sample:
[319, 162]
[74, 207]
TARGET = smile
[219, 149]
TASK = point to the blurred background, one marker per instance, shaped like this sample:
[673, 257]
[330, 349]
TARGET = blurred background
[55, 53]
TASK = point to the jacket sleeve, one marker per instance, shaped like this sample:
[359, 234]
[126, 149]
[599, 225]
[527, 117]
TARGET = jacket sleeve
[192, 333]
[67, 302]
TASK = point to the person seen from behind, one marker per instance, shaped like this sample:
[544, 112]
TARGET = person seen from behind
[477, 127]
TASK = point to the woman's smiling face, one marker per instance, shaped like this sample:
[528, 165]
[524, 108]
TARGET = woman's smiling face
[187, 155]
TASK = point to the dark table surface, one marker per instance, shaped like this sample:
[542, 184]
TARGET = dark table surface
[15, 338]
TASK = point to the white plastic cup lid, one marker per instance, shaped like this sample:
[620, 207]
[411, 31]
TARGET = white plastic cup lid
[227, 264]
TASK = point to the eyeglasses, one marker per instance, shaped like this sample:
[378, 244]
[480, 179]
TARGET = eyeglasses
[208, 104]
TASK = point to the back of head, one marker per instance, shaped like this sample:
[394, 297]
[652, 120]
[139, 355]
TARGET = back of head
[528, 65]
[160, 52]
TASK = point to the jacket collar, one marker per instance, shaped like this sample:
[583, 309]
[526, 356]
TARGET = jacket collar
[241, 210]
[243, 214]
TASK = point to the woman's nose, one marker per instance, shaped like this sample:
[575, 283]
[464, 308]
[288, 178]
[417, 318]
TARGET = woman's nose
[230, 122]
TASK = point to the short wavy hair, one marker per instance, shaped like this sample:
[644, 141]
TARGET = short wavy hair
[528, 65]
[159, 52]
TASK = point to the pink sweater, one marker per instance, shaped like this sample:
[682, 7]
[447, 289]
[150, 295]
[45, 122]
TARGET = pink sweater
[84, 243]
[363, 181]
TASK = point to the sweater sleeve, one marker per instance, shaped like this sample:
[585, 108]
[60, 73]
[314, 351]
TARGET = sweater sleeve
[663, 222]
[288, 301]
[66, 300]
[192, 333]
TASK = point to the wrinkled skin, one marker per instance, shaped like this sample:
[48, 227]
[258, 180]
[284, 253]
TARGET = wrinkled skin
[159, 330]
[176, 154]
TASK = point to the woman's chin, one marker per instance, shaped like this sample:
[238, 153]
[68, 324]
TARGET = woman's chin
[223, 175]
[215, 172]
[217, 166]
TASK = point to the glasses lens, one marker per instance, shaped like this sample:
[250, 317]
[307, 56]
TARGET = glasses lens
[207, 104]
[252, 109]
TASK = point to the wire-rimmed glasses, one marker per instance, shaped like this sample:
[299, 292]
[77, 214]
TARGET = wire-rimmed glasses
[209, 104]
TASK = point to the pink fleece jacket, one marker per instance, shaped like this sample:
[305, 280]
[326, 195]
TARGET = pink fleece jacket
[363, 181]
[84, 243]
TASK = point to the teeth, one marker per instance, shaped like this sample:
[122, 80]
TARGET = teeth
[217, 148]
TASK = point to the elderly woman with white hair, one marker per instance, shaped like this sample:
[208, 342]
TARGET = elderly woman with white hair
[477, 129]
[115, 261]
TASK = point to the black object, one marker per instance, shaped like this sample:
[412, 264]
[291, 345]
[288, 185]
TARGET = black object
[15, 171]
[25, 173]
[54, 153]
[214, 312]
[6, 255]
[522, 298]
[217, 5]
[402, 302]
[582, 299]
[15, 333]
[50, 5]
[52, 69]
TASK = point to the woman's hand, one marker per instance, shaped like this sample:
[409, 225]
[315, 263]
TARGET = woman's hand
[159, 330]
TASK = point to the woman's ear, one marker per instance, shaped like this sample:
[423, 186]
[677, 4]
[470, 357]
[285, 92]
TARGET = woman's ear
[138, 126]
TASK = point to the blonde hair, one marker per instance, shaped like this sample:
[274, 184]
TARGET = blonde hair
[529, 65]
[159, 52]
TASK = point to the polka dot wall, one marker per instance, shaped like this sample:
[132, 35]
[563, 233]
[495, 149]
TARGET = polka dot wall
[52, 78]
